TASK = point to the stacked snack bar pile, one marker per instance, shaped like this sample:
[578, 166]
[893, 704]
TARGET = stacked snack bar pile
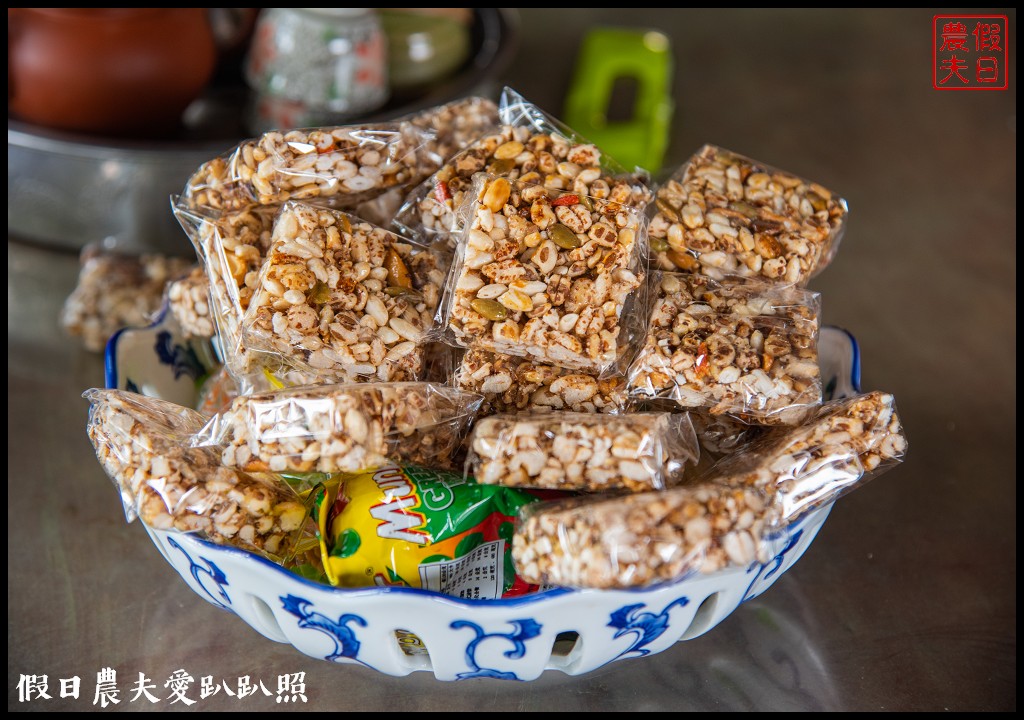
[523, 364]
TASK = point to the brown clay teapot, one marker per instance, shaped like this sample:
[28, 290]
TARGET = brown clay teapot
[107, 70]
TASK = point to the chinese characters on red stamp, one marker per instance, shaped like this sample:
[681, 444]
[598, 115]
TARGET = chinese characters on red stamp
[970, 52]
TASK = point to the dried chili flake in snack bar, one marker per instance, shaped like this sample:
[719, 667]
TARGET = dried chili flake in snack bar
[543, 282]
[731, 517]
[343, 297]
[415, 527]
[342, 428]
[583, 451]
[741, 347]
[723, 214]
[441, 192]
[512, 384]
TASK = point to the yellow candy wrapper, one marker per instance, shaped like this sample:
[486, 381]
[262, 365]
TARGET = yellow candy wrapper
[416, 527]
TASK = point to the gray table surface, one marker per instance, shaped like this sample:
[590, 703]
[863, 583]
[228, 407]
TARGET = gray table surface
[906, 601]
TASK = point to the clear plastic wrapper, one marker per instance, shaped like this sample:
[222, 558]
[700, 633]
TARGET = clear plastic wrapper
[133, 433]
[448, 128]
[227, 507]
[731, 517]
[439, 363]
[583, 451]
[451, 127]
[142, 444]
[513, 384]
[846, 443]
[189, 300]
[742, 347]
[116, 291]
[342, 298]
[336, 166]
[217, 392]
[723, 214]
[342, 428]
[381, 210]
[545, 274]
[721, 435]
[641, 539]
[232, 248]
[528, 145]
[417, 527]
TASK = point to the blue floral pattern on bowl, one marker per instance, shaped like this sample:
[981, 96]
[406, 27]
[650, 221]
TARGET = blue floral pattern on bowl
[208, 569]
[346, 645]
[158, 360]
[522, 630]
[647, 626]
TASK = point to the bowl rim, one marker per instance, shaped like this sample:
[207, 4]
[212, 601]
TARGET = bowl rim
[162, 316]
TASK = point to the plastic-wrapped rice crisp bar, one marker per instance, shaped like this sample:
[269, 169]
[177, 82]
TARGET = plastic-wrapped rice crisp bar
[583, 451]
[545, 274]
[741, 347]
[142, 444]
[232, 248]
[339, 166]
[338, 296]
[729, 518]
[342, 428]
[529, 146]
[512, 384]
[723, 214]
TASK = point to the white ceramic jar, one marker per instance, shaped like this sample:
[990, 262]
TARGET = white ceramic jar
[315, 66]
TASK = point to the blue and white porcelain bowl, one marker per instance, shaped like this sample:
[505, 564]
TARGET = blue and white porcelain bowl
[574, 631]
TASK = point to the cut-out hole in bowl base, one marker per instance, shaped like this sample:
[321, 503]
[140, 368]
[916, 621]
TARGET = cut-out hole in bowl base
[702, 619]
[565, 650]
[268, 624]
[415, 654]
[564, 644]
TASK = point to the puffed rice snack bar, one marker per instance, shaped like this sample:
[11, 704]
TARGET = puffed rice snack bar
[724, 214]
[342, 428]
[545, 274]
[338, 296]
[741, 347]
[731, 518]
[582, 451]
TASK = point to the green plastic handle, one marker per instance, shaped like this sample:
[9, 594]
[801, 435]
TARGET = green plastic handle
[606, 55]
